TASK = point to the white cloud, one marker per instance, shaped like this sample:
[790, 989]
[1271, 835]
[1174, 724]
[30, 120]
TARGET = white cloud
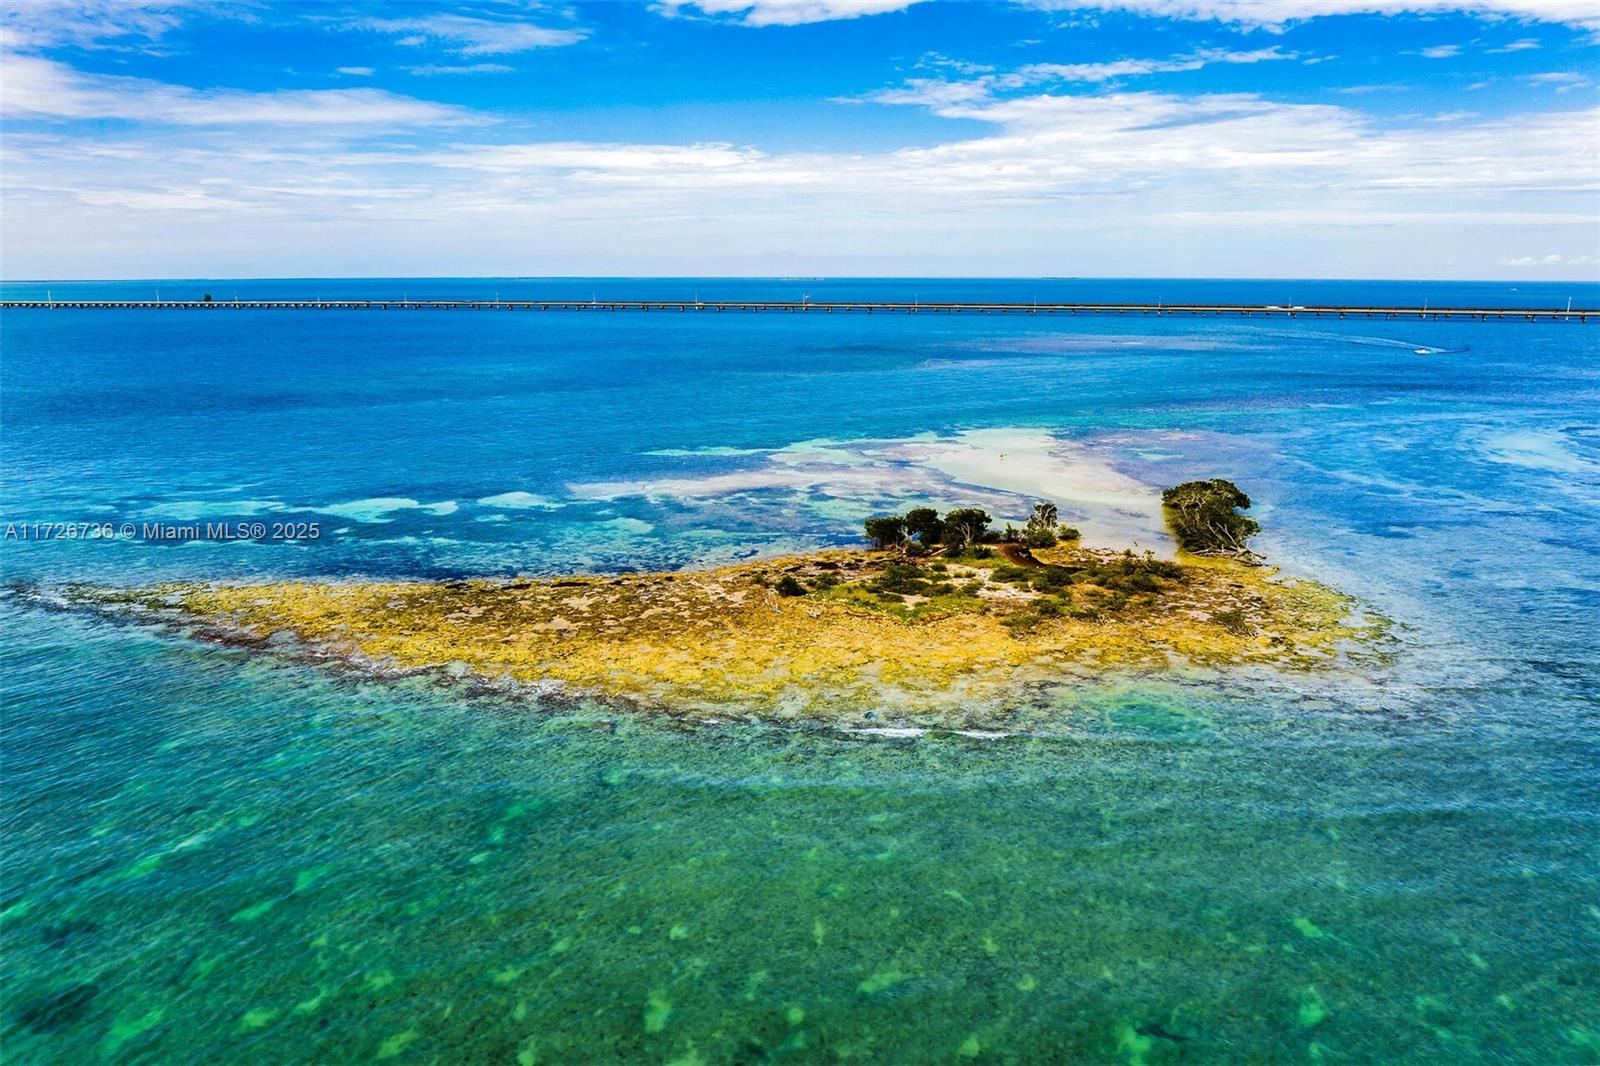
[470, 36]
[1525, 44]
[709, 165]
[1562, 81]
[431, 69]
[1238, 152]
[933, 92]
[1046, 148]
[356, 72]
[35, 87]
[927, 92]
[1122, 68]
[782, 12]
[85, 23]
[937, 61]
[1441, 51]
[352, 181]
[1553, 259]
[1274, 15]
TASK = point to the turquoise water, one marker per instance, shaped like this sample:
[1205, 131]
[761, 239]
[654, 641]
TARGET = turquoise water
[219, 855]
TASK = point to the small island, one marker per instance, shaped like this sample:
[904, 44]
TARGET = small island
[943, 618]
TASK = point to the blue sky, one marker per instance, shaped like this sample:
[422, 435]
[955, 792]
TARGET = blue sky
[1250, 138]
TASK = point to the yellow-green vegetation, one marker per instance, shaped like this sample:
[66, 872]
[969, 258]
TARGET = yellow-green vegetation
[826, 634]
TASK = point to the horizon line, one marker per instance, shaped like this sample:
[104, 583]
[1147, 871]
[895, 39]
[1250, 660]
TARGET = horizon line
[806, 277]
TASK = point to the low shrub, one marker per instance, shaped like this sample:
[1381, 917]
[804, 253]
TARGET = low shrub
[1051, 577]
[1022, 623]
[903, 579]
[1233, 620]
[1015, 575]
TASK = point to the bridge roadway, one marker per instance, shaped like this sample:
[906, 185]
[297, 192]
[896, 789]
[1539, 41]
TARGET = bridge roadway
[1545, 314]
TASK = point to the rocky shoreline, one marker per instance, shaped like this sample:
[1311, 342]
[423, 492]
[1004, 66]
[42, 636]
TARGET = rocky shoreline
[825, 636]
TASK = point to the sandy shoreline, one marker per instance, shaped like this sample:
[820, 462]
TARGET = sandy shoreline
[999, 469]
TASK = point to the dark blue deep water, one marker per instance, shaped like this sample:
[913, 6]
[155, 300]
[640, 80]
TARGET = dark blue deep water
[216, 855]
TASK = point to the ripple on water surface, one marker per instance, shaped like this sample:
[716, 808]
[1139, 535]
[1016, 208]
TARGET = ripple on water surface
[267, 863]
[214, 856]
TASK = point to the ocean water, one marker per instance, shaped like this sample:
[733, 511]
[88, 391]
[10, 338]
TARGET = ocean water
[217, 855]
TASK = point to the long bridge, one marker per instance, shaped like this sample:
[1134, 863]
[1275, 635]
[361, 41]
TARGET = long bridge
[828, 307]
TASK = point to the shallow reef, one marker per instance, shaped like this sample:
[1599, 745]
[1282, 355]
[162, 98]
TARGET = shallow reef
[836, 635]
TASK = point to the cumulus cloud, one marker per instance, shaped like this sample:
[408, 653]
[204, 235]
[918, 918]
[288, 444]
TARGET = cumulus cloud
[1551, 260]
[1129, 152]
[1034, 178]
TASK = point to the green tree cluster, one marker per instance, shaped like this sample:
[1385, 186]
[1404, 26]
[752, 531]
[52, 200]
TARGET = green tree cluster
[957, 530]
[1040, 532]
[924, 525]
[965, 527]
[1205, 519]
[886, 531]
